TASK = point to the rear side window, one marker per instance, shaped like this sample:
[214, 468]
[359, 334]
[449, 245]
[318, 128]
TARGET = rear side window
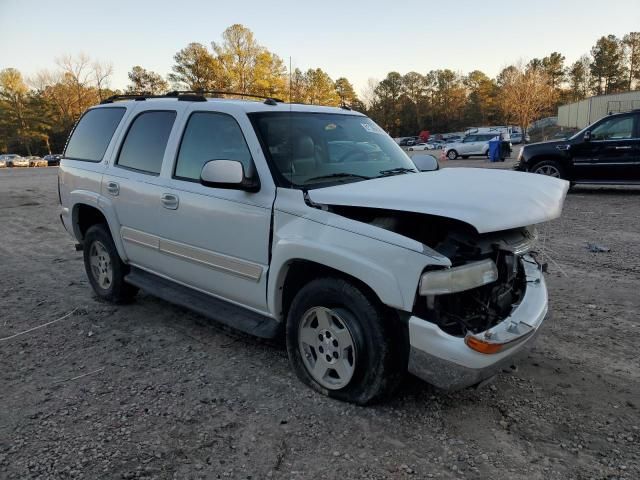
[93, 133]
[210, 136]
[143, 147]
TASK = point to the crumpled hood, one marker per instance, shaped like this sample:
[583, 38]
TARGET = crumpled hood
[489, 200]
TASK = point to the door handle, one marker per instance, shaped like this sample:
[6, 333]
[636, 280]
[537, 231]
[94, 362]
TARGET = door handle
[628, 147]
[170, 201]
[113, 188]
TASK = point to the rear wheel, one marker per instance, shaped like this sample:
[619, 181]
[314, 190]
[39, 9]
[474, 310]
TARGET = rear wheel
[104, 268]
[550, 168]
[342, 343]
[452, 154]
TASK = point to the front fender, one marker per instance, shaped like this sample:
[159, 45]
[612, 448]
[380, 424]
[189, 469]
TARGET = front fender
[391, 271]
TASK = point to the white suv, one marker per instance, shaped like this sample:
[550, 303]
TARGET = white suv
[475, 144]
[310, 222]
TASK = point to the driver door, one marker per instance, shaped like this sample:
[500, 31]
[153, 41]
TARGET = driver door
[611, 154]
[466, 147]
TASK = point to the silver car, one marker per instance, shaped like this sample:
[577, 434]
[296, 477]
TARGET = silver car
[14, 160]
[470, 145]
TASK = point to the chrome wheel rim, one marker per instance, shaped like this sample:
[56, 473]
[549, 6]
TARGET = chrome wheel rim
[101, 267]
[548, 170]
[451, 155]
[327, 348]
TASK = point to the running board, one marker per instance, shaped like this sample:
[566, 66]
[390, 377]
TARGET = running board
[211, 307]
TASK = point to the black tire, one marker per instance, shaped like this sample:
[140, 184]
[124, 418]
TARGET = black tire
[117, 290]
[465, 157]
[548, 166]
[452, 154]
[381, 343]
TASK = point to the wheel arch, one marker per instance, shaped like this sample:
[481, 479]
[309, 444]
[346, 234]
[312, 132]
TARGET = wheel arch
[298, 272]
[545, 157]
[89, 211]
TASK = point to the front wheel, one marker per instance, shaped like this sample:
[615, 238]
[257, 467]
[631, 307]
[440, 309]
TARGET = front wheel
[452, 154]
[342, 343]
[550, 168]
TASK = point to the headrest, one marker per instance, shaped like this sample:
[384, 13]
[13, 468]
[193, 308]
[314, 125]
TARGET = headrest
[304, 147]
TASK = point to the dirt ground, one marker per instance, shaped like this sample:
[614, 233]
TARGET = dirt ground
[150, 390]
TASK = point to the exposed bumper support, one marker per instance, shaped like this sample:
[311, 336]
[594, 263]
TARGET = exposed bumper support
[448, 363]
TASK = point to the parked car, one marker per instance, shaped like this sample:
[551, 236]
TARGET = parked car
[17, 161]
[607, 151]
[367, 266]
[516, 138]
[408, 141]
[8, 158]
[470, 145]
[3, 163]
[35, 161]
[53, 160]
[419, 147]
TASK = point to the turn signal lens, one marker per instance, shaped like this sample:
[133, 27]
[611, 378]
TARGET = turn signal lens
[482, 346]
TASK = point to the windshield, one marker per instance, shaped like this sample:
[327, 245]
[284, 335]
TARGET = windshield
[309, 150]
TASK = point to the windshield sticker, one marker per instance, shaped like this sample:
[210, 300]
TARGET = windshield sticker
[330, 126]
[371, 128]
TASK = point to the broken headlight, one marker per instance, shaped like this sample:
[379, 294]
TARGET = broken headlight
[458, 279]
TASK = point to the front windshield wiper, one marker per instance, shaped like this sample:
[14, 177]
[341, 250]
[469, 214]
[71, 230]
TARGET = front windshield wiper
[396, 171]
[338, 175]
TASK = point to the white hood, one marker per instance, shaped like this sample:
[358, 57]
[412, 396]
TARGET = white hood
[489, 200]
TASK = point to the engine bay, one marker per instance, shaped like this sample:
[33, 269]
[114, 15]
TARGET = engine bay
[471, 311]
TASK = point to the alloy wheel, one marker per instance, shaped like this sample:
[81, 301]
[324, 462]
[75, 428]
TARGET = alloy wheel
[101, 267]
[548, 170]
[327, 348]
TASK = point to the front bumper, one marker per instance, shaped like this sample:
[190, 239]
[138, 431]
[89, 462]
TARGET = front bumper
[448, 363]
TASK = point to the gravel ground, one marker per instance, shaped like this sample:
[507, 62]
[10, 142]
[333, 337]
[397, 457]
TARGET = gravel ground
[149, 390]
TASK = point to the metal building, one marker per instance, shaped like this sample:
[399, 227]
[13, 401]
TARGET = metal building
[585, 112]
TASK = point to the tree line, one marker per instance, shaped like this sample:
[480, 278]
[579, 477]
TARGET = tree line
[37, 113]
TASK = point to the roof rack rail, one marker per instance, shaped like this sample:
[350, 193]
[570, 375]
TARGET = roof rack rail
[188, 96]
[138, 97]
[203, 93]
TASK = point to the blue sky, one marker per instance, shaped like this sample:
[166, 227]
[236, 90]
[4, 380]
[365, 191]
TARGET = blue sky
[355, 39]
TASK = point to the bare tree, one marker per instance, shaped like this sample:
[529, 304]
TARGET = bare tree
[526, 95]
[78, 74]
[102, 72]
[368, 92]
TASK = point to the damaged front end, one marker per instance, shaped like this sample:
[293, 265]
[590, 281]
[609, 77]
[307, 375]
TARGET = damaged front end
[464, 336]
[491, 281]
[469, 319]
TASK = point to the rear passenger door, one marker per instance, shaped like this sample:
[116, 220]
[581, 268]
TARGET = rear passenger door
[134, 186]
[214, 239]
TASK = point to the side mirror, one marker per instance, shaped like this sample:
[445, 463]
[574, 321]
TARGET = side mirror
[587, 136]
[425, 163]
[227, 174]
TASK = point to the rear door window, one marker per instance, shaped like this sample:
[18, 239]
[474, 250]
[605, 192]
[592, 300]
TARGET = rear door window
[92, 134]
[143, 147]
